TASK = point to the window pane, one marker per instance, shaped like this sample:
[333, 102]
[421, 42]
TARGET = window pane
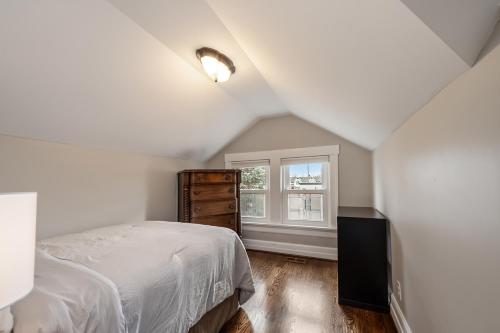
[254, 178]
[307, 207]
[253, 205]
[306, 176]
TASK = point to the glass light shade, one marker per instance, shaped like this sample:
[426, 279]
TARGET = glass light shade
[215, 69]
[210, 65]
[17, 246]
[217, 65]
[223, 73]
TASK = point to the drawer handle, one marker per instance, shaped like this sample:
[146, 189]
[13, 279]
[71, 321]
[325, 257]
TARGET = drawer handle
[227, 177]
[231, 190]
[196, 192]
[197, 209]
[232, 206]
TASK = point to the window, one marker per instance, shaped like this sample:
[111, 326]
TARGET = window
[291, 188]
[305, 190]
[254, 189]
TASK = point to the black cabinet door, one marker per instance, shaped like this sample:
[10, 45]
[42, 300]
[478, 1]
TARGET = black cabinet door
[362, 262]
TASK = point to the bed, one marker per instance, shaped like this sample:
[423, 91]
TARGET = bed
[144, 277]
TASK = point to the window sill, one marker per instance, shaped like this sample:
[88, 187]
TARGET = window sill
[318, 231]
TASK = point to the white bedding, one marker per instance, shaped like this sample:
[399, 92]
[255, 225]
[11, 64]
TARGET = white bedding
[68, 298]
[167, 275]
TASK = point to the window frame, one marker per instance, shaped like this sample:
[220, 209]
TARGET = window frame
[275, 216]
[267, 202]
[325, 192]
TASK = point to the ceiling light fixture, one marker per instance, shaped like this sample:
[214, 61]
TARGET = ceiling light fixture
[216, 64]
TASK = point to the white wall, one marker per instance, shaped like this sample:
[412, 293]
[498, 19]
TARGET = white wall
[81, 188]
[438, 180]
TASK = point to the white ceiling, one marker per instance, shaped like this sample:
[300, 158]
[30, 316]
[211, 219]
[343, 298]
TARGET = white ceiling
[122, 74]
[186, 25]
[81, 72]
[359, 70]
[465, 25]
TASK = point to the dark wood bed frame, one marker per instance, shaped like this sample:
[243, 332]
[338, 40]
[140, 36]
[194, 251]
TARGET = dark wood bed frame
[214, 320]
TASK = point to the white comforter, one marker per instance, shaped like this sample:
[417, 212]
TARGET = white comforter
[167, 275]
[68, 298]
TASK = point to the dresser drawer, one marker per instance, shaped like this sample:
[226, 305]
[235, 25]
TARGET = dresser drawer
[212, 177]
[207, 208]
[210, 192]
[226, 221]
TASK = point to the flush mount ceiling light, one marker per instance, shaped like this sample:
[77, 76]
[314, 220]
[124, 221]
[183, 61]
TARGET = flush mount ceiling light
[216, 64]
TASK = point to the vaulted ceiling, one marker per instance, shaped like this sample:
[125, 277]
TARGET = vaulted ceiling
[123, 74]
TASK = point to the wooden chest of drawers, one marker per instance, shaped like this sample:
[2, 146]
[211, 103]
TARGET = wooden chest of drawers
[210, 197]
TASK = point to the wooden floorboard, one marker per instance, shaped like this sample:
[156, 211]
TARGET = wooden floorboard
[300, 295]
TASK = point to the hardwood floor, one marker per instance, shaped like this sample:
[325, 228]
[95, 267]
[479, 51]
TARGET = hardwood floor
[300, 295]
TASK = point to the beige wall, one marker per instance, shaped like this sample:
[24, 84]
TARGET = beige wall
[355, 162]
[80, 188]
[438, 180]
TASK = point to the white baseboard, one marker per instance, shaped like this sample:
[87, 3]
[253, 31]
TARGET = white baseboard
[293, 249]
[398, 317]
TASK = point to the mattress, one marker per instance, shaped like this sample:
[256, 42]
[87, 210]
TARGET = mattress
[160, 276]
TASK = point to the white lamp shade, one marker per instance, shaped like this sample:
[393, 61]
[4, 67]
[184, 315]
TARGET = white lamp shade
[17, 246]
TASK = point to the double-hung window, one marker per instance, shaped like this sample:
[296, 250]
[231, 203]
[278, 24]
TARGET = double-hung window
[254, 190]
[294, 188]
[305, 190]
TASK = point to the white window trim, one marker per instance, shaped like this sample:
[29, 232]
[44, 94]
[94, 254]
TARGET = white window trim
[275, 217]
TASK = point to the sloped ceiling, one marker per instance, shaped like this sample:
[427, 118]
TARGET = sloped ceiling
[186, 25]
[122, 74]
[465, 25]
[81, 72]
[357, 70]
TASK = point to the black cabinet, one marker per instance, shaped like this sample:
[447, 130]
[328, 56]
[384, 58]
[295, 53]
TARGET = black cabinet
[363, 258]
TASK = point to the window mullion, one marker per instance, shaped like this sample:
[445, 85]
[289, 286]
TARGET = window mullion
[275, 207]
